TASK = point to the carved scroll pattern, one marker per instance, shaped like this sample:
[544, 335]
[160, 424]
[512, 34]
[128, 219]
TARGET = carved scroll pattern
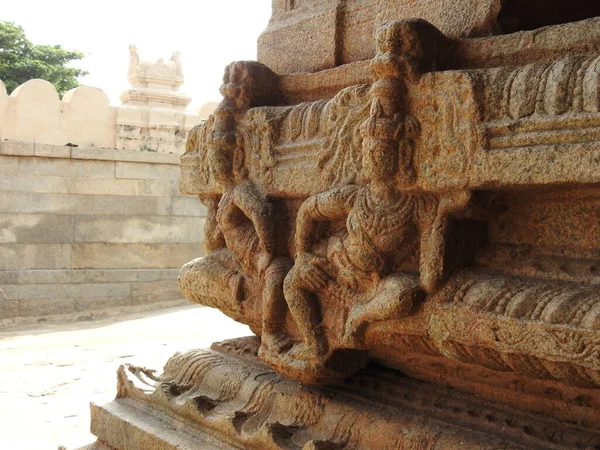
[543, 104]
[320, 139]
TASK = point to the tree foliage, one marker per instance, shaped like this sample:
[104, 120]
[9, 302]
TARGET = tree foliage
[21, 60]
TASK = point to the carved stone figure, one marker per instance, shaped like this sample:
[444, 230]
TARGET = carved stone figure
[243, 232]
[409, 227]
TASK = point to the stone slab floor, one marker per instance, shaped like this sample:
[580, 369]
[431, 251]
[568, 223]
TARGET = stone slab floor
[49, 374]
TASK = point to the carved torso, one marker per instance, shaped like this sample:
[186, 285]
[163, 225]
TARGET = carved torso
[379, 235]
[377, 230]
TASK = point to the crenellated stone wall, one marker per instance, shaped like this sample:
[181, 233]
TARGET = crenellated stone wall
[91, 222]
[34, 112]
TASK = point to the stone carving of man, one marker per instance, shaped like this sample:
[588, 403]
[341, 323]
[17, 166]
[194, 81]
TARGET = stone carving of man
[243, 228]
[381, 233]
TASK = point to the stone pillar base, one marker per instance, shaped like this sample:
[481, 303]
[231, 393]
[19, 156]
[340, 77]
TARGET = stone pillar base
[225, 398]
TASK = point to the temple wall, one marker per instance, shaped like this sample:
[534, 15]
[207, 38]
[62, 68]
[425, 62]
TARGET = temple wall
[84, 117]
[87, 227]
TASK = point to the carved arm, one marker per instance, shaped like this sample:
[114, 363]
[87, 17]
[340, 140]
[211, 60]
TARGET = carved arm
[434, 226]
[257, 207]
[332, 205]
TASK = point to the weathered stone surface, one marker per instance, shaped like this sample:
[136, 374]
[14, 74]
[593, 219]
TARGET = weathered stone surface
[17, 148]
[131, 205]
[36, 203]
[101, 303]
[136, 229]
[44, 184]
[186, 206]
[34, 256]
[150, 188]
[312, 35]
[68, 167]
[145, 171]
[52, 151]
[154, 291]
[8, 308]
[45, 212]
[46, 307]
[36, 228]
[9, 164]
[37, 291]
[110, 154]
[68, 276]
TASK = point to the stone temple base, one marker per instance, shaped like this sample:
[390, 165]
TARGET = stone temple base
[225, 398]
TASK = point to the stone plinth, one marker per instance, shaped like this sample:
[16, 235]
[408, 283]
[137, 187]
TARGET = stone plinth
[225, 398]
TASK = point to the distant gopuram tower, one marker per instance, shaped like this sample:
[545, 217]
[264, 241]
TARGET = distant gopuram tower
[153, 116]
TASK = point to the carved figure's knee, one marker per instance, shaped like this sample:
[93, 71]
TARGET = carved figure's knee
[191, 266]
[399, 282]
[291, 283]
[263, 210]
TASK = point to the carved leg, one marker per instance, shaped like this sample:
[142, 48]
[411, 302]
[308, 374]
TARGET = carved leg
[395, 298]
[273, 338]
[305, 310]
[213, 280]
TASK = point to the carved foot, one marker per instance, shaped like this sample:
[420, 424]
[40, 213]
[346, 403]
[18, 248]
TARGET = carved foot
[303, 364]
[273, 343]
[313, 354]
[395, 300]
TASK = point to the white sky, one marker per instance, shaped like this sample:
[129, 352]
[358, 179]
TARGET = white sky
[208, 33]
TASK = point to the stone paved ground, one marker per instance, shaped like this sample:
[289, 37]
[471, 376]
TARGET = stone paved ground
[48, 375]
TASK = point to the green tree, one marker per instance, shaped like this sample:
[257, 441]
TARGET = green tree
[21, 60]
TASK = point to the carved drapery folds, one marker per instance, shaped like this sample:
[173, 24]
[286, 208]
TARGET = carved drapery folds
[385, 222]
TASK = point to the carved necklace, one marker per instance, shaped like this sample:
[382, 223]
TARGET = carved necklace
[376, 218]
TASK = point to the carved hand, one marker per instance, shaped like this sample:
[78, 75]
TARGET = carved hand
[453, 202]
[312, 270]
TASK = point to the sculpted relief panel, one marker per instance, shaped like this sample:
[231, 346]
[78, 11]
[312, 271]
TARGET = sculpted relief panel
[365, 250]
[387, 222]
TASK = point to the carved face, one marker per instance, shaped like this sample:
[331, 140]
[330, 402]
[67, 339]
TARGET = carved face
[379, 159]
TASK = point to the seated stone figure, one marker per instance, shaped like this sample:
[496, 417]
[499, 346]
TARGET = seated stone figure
[381, 233]
[388, 254]
[360, 263]
[247, 256]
